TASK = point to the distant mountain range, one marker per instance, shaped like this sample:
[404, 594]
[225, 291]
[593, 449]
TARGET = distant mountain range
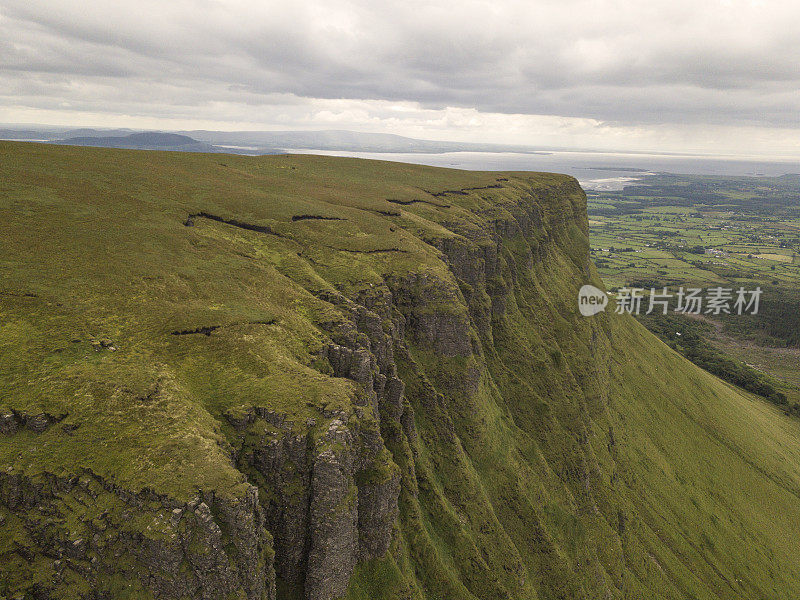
[248, 142]
[41, 133]
[353, 141]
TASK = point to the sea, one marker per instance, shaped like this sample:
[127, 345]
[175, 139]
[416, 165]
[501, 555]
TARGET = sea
[600, 171]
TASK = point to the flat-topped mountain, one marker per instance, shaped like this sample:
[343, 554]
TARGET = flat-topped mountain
[291, 377]
[150, 140]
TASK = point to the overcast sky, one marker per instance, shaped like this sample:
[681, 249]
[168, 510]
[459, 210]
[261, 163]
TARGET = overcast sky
[675, 75]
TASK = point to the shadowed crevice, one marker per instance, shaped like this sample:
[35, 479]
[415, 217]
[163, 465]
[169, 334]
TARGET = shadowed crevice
[463, 191]
[13, 421]
[415, 201]
[233, 222]
[209, 329]
[316, 217]
[375, 251]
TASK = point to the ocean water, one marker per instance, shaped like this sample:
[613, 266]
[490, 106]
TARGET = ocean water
[594, 170]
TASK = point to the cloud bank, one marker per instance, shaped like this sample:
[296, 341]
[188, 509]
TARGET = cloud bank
[714, 75]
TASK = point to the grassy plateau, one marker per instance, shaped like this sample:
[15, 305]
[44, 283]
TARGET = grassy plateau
[151, 301]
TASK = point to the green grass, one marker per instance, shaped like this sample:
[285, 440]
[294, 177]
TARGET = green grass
[563, 457]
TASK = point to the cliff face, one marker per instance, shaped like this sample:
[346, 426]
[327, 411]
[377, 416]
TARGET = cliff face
[303, 377]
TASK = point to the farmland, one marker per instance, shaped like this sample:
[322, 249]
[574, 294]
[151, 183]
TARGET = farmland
[746, 233]
[698, 231]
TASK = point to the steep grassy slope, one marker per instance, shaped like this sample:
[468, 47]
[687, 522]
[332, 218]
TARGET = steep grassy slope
[297, 376]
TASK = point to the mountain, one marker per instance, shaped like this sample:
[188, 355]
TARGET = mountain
[314, 377]
[24, 134]
[344, 141]
[251, 142]
[90, 132]
[40, 132]
[150, 140]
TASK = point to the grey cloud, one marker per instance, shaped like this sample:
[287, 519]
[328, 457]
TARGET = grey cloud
[622, 63]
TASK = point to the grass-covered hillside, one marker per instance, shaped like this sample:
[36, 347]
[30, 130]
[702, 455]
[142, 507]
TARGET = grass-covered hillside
[311, 377]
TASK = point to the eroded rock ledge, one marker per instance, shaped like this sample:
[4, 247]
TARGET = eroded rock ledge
[206, 548]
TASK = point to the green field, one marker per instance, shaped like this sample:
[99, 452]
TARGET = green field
[687, 230]
[313, 377]
[732, 253]
[698, 231]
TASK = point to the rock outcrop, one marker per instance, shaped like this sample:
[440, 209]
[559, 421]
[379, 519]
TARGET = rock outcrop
[87, 528]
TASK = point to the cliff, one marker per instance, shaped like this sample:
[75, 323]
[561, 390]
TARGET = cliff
[310, 377]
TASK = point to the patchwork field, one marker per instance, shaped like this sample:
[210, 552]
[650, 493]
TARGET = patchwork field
[695, 231]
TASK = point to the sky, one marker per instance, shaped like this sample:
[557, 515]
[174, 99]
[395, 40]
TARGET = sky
[708, 76]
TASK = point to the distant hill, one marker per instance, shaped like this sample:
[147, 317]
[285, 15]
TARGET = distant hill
[40, 132]
[354, 141]
[90, 132]
[23, 134]
[150, 140]
[249, 142]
